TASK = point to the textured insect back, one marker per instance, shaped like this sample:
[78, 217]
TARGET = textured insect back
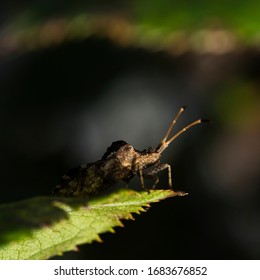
[115, 146]
[88, 179]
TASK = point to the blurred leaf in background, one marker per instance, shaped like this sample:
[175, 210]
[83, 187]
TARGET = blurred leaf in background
[170, 25]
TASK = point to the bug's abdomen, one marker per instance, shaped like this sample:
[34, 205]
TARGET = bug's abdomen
[80, 181]
[97, 176]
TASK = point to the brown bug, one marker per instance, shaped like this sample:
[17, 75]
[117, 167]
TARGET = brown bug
[121, 162]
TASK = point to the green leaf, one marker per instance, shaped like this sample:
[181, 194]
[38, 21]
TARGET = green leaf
[42, 227]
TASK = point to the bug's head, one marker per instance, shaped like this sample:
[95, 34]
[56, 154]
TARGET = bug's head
[165, 143]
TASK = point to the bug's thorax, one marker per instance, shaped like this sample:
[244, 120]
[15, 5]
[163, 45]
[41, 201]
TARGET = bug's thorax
[128, 159]
[125, 155]
[145, 158]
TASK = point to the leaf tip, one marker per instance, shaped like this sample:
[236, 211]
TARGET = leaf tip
[180, 193]
[131, 217]
[98, 239]
[76, 249]
[112, 230]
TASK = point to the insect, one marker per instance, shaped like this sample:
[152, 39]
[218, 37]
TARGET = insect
[121, 162]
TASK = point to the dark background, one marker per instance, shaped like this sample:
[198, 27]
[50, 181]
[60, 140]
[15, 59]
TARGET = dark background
[65, 99]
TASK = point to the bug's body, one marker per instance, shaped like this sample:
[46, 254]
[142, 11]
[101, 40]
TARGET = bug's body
[118, 165]
[121, 162]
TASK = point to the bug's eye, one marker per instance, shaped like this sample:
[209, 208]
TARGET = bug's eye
[115, 146]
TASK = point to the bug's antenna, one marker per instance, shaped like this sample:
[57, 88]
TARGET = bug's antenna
[164, 144]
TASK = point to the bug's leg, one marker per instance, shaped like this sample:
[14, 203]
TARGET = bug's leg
[140, 171]
[141, 175]
[156, 181]
[154, 177]
[169, 176]
[157, 168]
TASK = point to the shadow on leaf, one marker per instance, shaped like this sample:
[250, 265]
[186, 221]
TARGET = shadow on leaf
[19, 219]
